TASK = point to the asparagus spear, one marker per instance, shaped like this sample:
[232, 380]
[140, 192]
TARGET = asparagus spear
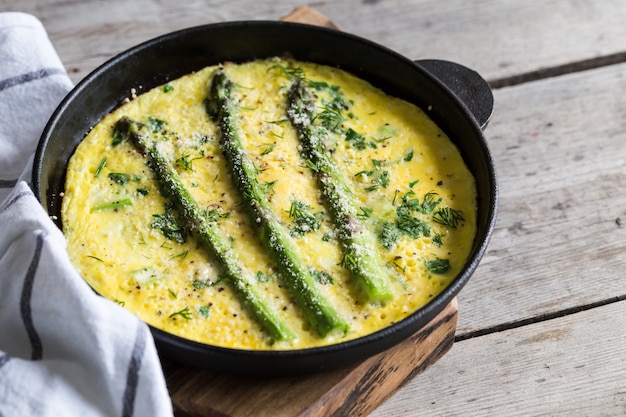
[205, 231]
[318, 311]
[361, 257]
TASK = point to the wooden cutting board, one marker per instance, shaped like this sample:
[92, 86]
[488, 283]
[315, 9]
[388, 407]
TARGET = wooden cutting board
[352, 391]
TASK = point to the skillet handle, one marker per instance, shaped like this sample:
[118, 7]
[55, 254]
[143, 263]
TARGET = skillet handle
[466, 84]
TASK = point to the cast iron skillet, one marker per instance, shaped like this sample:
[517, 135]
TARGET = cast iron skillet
[461, 105]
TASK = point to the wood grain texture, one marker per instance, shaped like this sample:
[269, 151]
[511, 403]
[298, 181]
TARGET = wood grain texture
[559, 243]
[353, 391]
[497, 38]
[571, 366]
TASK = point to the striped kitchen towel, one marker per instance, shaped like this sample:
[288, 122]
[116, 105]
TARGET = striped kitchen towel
[64, 351]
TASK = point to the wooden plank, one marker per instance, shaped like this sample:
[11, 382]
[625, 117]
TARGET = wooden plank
[497, 38]
[352, 391]
[572, 366]
[560, 237]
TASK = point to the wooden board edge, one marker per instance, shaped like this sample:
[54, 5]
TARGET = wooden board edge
[372, 382]
[307, 15]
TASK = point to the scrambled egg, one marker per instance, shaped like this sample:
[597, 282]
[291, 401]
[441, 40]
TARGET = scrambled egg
[412, 189]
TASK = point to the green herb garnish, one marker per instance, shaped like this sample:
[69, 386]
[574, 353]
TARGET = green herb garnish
[267, 148]
[113, 206]
[184, 313]
[364, 213]
[213, 215]
[119, 178]
[182, 255]
[448, 217]
[262, 276]
[304, 220]
[169, 225]
[203, 311]
[383, 179]
[359, 141]
[100, 166]
[185, 162]
[437, 266]
[322, 277]
[437, 240]
[410, 225]
[198, 284]
[429, 202]
[389, 235]
[156, 125]
[268, 187]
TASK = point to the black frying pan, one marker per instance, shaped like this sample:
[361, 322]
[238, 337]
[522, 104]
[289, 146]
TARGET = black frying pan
[456, 98]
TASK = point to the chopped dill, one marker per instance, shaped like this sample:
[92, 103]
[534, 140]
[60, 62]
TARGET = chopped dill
[181, 255]
[389, 235]
[383, 179]
[198, 284]
[184, 313]
[267, 148]
[213, 215]
[119, 178]
[349, 261]
[448, 217]
[156, 125]
[267, 187]
[429, 202]
[364, 213]
[204, 311]
[322, 277]
[185, 162]
[100, 166]
[357, 140]
[262, 276]
[304, 220]
[410, 225]
[437, 266]
[169, 226]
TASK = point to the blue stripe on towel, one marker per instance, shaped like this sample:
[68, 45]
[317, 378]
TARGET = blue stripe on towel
[4, 359]
[15, 200]
[132, 377]
[25, 307]
[29, 76]
[8, 183]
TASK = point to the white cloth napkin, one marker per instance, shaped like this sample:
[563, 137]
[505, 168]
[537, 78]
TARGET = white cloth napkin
[64, 351]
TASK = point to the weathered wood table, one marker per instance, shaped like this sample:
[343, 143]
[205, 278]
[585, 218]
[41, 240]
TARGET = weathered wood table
[542, 324]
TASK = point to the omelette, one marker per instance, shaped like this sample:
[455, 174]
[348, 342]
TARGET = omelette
[403, 182]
